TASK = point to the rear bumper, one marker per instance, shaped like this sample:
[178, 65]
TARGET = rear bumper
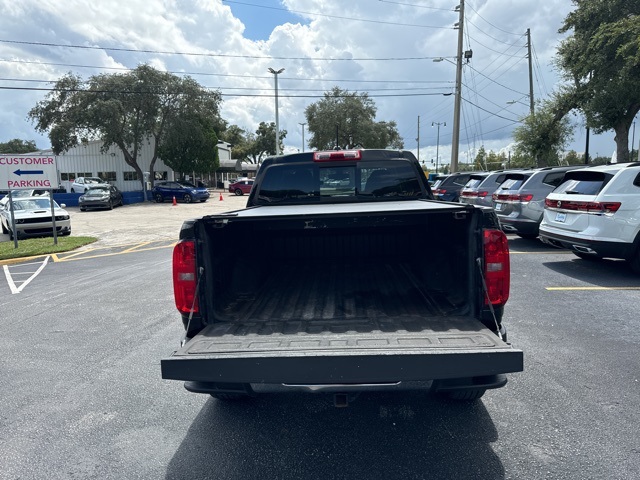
[519, 225]
[588, 246]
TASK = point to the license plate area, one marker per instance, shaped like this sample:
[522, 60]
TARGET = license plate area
[498, 207]
[561, 217]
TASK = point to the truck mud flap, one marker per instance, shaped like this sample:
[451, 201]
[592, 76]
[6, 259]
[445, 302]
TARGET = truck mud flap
[296, 352]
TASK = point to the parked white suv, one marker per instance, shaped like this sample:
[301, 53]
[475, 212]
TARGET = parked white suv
[595, 212]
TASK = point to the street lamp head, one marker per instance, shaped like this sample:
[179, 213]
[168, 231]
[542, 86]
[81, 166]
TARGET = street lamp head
[439, 59]
[275, 72]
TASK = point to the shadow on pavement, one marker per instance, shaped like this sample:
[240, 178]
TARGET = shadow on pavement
[380, 435]
[603, 273]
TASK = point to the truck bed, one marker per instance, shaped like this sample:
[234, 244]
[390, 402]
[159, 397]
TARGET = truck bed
[368, 325]
[359, 296]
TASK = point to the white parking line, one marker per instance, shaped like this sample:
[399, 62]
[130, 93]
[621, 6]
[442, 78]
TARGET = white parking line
[17, 289]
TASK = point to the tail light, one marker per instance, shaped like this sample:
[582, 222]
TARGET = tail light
[468, 194]
[184, 276]
[513, 197]
[483, 194]
[588, 207]
[439, 191]
[497, 271]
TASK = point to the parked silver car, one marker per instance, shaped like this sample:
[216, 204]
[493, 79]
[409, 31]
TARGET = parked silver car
[480, 187]
[519, 200]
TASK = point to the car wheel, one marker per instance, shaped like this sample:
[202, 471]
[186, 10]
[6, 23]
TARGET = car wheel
[528, 236]
[159, 198]
[4, 229]
[82, 209]
[110, 205]
[634, 263]
[187, 198]
[238, 191]
[73, 191]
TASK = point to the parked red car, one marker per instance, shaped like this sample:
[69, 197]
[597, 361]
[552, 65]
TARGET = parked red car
[241, 186]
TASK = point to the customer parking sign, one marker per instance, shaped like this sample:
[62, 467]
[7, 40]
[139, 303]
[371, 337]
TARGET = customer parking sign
[19, 172]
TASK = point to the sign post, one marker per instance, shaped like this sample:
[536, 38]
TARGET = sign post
[22, 172]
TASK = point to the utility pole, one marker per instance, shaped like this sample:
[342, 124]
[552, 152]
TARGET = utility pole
[418, 139]
[303, 124]
[438, 141]
[530, 72]
[455, 144]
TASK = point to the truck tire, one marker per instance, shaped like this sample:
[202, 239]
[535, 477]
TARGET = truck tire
[464, 395]
[230, 397]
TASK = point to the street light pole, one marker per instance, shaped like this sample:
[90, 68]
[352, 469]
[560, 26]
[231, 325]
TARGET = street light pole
[275, 74]
[303, 124]
[438, 141]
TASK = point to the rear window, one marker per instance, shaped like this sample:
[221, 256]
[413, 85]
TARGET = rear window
[459, 180]
[474, 181]
[554, 179]
[583, 183]
[320, 182]
[513, 181]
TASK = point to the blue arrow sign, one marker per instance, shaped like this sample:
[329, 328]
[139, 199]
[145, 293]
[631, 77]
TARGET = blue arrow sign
[28, 172]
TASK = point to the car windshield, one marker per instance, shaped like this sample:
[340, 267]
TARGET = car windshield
[97, 192]
[33, 204]
[93, 180]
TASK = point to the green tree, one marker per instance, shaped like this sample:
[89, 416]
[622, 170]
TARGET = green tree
[601, 62]
[190, 145]
[18, 146]
[123, 110]
[344, 119]
[542, 135]
[480, 162]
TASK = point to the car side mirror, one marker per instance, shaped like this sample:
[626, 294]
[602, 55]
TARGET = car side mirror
[62, 205]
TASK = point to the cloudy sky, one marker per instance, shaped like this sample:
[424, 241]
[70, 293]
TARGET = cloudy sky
[383, 47]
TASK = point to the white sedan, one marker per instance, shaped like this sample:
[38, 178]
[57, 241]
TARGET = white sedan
[33, 218]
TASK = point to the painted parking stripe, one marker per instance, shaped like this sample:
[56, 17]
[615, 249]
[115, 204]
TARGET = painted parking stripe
[12, 285]
[560, 289]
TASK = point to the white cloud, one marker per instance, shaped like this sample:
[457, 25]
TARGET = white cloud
[496, 74]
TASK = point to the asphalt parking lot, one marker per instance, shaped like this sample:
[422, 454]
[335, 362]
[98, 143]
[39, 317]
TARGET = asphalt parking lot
[145, 222]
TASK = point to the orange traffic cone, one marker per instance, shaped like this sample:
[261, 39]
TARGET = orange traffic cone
[174, 201]
[221, 196]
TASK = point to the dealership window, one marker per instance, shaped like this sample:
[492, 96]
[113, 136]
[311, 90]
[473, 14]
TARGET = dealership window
[67, 177]
[108, 176]
[130, 176]
[85, 174]
[160, 175]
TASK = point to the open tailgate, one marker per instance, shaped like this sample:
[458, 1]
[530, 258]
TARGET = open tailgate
[346, 352]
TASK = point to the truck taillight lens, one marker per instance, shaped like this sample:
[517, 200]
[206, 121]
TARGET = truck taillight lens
[497, 272]
[338, 155]
[184, 276]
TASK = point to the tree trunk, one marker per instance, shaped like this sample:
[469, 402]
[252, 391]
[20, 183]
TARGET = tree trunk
[622, 143]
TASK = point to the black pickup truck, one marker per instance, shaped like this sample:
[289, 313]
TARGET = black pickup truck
[358, 279]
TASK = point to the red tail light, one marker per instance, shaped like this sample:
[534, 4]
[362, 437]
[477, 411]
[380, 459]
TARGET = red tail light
[497, 271]
[439, 191]
[588, 207]
[184, 276]
[483, 194]
[513, 197]
[468, 194]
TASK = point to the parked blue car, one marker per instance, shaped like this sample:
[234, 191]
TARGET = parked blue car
[182, 191]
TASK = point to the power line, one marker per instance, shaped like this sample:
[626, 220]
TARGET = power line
[213, 55]
[314, 14]
[417, 6]
[231, 75]
[494, 26]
